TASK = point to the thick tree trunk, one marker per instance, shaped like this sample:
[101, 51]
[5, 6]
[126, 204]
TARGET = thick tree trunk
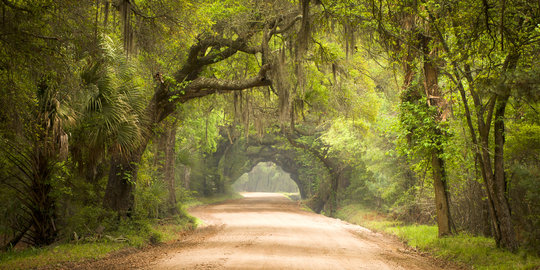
[31, 180]
[121, 185]
[326, 198]
[124, 166]
[431, 74]
[165, 159]
[479, 143]
[487, 174]
[502, 207]
[494, 178]
[43, 230]
[316, 203]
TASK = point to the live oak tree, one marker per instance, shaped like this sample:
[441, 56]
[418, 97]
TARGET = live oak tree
[189, 82]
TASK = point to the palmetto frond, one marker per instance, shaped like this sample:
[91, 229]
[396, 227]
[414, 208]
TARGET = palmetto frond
[114, 104]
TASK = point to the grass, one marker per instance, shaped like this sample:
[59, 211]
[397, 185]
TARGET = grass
[479, 252]
[129, 233]
[52, 255]
[293, 196]
[135, 233]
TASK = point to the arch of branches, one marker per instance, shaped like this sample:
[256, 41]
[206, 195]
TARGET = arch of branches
[316, 182]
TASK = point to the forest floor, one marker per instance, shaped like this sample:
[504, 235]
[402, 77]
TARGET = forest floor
[269, 231]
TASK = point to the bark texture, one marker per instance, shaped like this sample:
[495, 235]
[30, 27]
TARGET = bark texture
[166, 161]
[121, 185]
[435, 99]
[492, 162]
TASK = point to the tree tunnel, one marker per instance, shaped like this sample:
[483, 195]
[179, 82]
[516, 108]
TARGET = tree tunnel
[317, 181]
[265, 177]
[231, 161]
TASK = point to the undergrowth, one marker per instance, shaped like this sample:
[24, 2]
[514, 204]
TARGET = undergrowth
[477, 251]
[126, 233]
[94, 234]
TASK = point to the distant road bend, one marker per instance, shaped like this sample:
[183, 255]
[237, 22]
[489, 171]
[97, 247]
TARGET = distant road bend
[268, 231]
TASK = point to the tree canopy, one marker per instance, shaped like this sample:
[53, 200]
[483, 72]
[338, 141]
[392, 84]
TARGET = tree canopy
[121, 109]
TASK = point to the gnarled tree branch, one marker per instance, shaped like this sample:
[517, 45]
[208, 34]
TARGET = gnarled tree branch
[205, 86]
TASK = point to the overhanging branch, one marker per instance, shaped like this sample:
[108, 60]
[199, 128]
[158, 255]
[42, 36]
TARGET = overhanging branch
[287, 27]
[205, 86]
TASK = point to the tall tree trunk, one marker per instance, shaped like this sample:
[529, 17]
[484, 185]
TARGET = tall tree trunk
[326, 198]
[508, 235]
[502, 207]
[494, 177]
[96, 23]
[442, 205]
[43, 230]
[478, 142]
[487, 174]
[431, 75]
[169, 169]
[106, 13]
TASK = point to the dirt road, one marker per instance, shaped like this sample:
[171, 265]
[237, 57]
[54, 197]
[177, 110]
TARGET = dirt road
[268, 231]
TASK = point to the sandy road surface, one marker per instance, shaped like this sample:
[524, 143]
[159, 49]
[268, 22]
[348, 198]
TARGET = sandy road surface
[268, 231]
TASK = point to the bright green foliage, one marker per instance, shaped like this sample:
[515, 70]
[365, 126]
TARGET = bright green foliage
[114, 102]
[477, 251]
[418, 136]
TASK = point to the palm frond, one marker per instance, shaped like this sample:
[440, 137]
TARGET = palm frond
[115, 103]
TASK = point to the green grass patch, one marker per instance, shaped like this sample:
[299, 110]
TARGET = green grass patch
[292, 196]
[306, 208]
[37, 257]
[169, 232]
[479, 252]
[127, 233]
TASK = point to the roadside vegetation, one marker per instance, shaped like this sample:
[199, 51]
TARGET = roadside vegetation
[476, 251]
[56, 254]
[129, 234]
[119, 236]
